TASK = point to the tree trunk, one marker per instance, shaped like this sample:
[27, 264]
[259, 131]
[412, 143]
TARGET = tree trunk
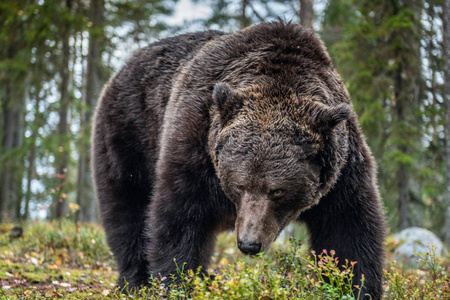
[31, 170]
[7, 145]
[244, 20]
[30, 175]
[85, 194]
[446, 56]
[402, 172]
[407, 92]
[11, 138]
[62, 156]
[18, 169]
[306, 13]
[403, 194]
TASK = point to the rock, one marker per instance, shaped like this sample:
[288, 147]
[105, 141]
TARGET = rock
[415, 240]
[15, 233]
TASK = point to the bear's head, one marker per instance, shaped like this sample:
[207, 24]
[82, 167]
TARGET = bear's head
[276, 154]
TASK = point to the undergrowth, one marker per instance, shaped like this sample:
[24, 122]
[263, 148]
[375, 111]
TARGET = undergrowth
[63, 260]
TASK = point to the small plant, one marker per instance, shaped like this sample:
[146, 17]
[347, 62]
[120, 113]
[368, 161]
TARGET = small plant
[430, 281]
[71, 262]
[333, 279]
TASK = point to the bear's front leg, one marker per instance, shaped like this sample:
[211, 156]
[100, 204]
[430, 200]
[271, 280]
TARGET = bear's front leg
[183, 220]
[350, 220]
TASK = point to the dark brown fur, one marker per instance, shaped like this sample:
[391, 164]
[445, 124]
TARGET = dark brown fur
[252, 130]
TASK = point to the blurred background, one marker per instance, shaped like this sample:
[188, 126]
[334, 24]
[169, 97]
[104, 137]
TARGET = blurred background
[55, 56]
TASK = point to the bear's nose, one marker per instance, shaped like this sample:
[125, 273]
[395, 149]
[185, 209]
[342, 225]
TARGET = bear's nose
[249, 248]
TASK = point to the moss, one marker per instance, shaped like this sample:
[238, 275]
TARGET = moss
[36, 277]
[85, 270]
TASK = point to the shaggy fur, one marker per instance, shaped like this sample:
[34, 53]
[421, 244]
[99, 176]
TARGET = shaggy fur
[206, 132]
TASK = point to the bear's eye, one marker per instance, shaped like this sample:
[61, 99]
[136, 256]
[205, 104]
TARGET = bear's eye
[277, 193]
[239, 189]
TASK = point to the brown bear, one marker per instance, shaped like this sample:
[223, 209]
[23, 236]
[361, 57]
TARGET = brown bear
[252, 130]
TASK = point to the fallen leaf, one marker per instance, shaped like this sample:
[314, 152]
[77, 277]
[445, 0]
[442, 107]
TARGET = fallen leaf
[56, 294]
[34, 261]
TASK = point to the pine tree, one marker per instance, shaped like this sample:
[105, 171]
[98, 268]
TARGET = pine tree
[85, 197]
[14, 59]
[380, 58]
[446, 56]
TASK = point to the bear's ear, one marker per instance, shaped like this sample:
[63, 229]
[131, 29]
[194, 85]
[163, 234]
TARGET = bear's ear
[222, 92]
[226, 100]
[327, 118]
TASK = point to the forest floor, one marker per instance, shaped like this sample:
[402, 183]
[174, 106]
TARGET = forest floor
[63, 260]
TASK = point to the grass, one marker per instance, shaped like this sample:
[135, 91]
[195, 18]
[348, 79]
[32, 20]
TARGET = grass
[60, 260]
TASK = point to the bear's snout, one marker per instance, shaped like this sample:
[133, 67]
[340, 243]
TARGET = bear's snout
[249, 248]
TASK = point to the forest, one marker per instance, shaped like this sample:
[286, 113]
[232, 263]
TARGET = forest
[55, 57]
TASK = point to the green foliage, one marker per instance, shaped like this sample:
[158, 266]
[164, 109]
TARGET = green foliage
[61, 259]
[60, 243]
[33, 63]
[431, 281]
[389, 56]
[55, 258]
[287, 275]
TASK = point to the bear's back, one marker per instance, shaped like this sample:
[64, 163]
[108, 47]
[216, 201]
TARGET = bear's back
[151, 71]
[131, 110]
